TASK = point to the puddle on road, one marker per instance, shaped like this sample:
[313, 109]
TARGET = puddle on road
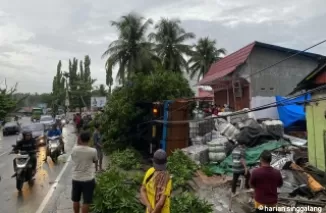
[218, 196]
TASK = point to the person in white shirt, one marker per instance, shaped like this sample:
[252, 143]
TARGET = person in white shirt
[83, 175]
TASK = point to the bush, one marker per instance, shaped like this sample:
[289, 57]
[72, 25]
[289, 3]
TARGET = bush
[138, 177]
[116, 191]
[115, 194]
[126, 159]
[187, 203]
[181, 167]
[121, 115]
[206, 170]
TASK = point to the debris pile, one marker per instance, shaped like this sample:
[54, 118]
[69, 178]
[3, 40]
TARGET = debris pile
[303, 184]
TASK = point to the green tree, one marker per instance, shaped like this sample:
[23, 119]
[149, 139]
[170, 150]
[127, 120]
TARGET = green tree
[203, 57]
[80, 83]
[131, 52]
[170, 40]
[86, 82]
[122, 115]
[72, 76]
[7, 102]
[100, 91]
[30, 100]
[45, 98]
[58, 89]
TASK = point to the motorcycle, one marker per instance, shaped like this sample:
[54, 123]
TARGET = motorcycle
[54, 147]
[23, 168]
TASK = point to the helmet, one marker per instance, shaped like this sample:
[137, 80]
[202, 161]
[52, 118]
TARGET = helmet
[27, 132]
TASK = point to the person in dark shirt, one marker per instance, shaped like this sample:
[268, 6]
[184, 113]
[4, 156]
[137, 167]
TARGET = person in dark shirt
[239, 166]
[28, 144]
[98, 145]
[78, 121]
[215, 110]
[265, 181]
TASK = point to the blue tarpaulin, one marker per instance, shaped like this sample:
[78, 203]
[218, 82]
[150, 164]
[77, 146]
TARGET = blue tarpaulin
[290, 112]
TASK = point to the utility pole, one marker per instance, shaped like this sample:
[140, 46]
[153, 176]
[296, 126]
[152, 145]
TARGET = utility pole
[81, 97]
[67, 104]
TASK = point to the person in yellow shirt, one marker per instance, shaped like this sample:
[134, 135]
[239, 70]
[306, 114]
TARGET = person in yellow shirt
[157, 184]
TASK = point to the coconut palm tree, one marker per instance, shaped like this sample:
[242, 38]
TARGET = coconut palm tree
[170, 40]
[203, 57]
[131, 52]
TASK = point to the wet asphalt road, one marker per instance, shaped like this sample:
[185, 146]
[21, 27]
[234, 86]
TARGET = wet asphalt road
[31, 197]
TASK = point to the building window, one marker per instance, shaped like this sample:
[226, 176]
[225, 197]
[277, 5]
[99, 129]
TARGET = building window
[262, 88]
[272, 88]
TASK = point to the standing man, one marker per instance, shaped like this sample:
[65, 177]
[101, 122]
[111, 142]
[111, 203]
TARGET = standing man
[239, 167]
[98, 145]
[215, 110]
[83, 175]
[265, 181]
[156, 189]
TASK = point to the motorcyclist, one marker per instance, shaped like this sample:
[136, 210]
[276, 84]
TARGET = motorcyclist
[28, 144]
[59, 124]
[54, 132]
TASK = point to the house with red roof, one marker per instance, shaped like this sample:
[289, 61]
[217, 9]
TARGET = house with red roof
[205, 94]
[250, 76]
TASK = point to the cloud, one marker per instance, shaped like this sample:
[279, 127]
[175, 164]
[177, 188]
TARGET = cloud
[36, 34]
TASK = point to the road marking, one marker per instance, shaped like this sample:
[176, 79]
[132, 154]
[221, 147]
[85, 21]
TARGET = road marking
[53, 187]
[4, 153]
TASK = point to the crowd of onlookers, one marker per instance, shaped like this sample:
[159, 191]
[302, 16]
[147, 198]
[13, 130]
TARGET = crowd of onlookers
[82, 121]
[157, 183]
[83, 155]
[215, 109]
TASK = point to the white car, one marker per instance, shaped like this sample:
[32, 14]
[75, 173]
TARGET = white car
[59, 117]
[47, 120]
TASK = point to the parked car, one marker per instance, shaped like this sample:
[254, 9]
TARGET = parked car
[47, 120]
[59, 117]
[38, 132]
[11, 128]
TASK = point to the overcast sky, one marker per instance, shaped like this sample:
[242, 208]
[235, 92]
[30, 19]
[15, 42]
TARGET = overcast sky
[36, 34]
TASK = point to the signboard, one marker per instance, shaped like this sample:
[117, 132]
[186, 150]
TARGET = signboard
[42, 105]
[98, 101]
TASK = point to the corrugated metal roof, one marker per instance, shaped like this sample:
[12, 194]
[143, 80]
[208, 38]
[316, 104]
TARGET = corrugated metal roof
[229, 63]
[307, 81]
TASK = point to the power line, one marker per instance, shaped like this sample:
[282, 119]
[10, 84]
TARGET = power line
[243, 112]
[291, 56]
[257, 108]
[266, 106]
[161, 117]
[294, 97]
